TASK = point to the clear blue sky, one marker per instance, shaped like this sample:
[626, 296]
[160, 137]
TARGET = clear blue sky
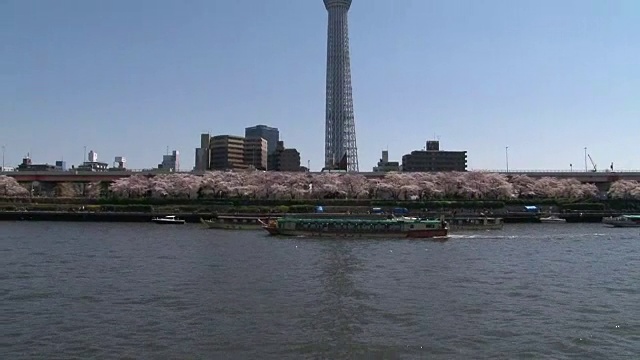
[129, 78]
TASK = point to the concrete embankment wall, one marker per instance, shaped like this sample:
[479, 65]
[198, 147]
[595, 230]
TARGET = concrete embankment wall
[195, 218]
[88, 216]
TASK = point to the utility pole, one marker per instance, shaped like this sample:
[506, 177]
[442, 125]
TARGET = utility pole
[85, 154]
[2, 170]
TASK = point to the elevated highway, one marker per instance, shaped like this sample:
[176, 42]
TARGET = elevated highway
[74, 176]
[602, 179]
[582, 176]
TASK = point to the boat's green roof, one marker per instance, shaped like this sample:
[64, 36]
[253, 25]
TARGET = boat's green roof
[356, 221]
[632, 216]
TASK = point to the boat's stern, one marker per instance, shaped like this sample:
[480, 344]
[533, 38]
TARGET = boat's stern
[424, 231]
[442, 233]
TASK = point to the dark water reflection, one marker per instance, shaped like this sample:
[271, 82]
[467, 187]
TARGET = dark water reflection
[144, 291]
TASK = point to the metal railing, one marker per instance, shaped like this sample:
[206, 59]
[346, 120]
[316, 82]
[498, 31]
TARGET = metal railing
[551, 171]
[199, 172]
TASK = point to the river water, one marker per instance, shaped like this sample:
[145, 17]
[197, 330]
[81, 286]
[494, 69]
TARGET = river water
[80, 290]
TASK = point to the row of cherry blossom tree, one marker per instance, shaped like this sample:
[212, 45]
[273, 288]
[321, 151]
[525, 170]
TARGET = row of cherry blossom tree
[400, 186]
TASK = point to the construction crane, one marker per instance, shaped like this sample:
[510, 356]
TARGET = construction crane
[595, 169]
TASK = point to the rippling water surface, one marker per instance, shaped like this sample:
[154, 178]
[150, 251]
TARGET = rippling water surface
[75, 290]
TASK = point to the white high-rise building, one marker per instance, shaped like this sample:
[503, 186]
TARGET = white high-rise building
[93, 156]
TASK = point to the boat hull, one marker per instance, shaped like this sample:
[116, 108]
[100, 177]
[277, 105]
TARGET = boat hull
[476, 227]
[234, 223]
[622, 224]
[416, 234]
[553, 219]
[622, 221]
[168, 222]
[212, 224]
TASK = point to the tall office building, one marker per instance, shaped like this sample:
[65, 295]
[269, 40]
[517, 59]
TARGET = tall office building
[285, 159]
[255, 153]
[271, 134]
[227, 153]
[203, 153]
[340, 151]
[433, 159]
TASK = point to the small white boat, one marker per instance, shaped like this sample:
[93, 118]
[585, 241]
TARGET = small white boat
[552, 219]
[168, 220]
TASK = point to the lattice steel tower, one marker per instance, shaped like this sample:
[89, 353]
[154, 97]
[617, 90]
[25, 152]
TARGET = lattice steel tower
[340, 132]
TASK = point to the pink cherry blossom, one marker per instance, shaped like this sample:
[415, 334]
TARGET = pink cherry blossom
[393, 185]
[625, 189]
[92, 190]
[9, 187]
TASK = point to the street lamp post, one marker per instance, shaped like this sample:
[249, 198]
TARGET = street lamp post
[506, 154]
[2, 170]
[571, 167]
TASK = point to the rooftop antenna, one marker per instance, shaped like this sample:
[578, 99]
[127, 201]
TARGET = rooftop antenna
[167, 150]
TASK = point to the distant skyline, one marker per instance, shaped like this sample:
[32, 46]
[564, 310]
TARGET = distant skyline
[129, 78]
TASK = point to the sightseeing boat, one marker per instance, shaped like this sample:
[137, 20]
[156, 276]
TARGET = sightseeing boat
[235, 222]
[366, 228]
[168, 220]
[623, 221]
[475, 223]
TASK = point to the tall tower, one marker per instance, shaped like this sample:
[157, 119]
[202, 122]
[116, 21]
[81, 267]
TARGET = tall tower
[340, 150]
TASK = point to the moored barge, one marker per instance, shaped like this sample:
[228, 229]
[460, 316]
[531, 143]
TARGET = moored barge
[235, 222]
[475, 223]
[364, 228]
